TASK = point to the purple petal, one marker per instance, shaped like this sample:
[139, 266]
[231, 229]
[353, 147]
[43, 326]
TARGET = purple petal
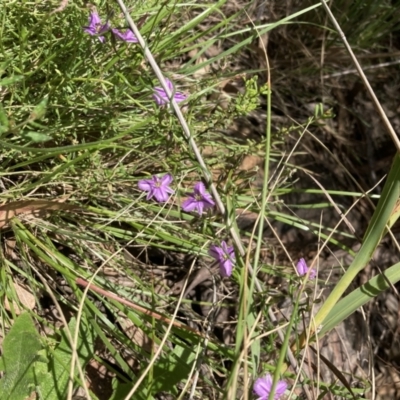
[146, 184]
[313, 274]
[90, 30]
[228, 250]
[130, 37]
[160, 195]
[117, 33]
[225, 268]
[280, 389]
[200, 207]
[170, 86]
[178, 96]
[189, 205]
[225, 247]
[262, 387]
[159, 96]
[166, 180]
[169, 190]
[207, 205]
[216, 252]
[208, 200]
[150, 194]
[127, 36]
[302, 267]
[104, 28]
[94, 19]
[199, 188]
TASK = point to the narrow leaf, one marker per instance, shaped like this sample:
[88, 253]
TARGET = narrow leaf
[39, 111]
[11, 80]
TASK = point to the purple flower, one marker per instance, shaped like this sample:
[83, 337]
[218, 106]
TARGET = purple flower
[225, 255]
[95, 27]
[199, 200]
[302, 269]
[127, 36]
[262, 388]
[157, 187]
[161, 98]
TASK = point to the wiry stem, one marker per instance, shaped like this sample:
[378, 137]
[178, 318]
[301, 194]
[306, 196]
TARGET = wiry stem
[206, 173]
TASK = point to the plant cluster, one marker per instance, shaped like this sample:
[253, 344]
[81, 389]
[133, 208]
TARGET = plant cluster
[98, 218]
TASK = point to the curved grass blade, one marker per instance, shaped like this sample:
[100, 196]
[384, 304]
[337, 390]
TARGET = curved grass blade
[346, 306]
[385, 210]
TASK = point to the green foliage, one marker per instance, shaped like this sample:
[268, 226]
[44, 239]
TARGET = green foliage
[359, 297]
[27, 369]
[77, 121]
[55, 375]
[376, 230]
[172, 368]
[375, 20]
[250, 99]
[21, 348]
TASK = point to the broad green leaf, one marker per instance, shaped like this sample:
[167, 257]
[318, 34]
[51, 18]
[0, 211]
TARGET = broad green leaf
[55, 384]
[385, 210]
[20, 351]
[172, 369]
[349, 304]
[121, 390]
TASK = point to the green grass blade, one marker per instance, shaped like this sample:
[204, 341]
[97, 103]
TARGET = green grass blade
[375, 231]
[346, 306]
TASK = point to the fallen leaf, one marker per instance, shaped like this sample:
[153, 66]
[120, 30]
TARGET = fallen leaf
[25, 297]
[37, 208]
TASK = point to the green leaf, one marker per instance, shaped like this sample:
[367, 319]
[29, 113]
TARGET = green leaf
[383, 215]
[172, 368]
[349, 304]
[36, 137]
[121, 390]
[11, 80]
[39, 110]
[3, 120]
[54, 385]
[20, 350]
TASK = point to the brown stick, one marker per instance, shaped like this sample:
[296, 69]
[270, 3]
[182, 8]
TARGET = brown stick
[94, 288]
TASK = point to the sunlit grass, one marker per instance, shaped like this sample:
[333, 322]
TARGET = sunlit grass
[79, 127]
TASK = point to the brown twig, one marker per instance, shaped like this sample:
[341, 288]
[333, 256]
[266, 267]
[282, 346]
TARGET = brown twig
[61, 7]
[81, 282]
